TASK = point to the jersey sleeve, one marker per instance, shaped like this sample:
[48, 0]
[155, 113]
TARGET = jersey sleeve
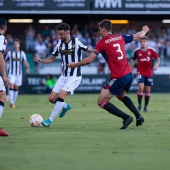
[98, 48]
[81, 45]
[56, 49]
[155, 54]
[24, 55]
[127, 38]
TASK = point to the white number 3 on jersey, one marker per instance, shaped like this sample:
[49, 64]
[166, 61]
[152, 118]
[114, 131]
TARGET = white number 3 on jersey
[119, 51]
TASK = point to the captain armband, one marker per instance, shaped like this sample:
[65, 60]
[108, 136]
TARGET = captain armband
[95, 52]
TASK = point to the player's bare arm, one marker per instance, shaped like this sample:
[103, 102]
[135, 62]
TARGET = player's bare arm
[89, 50]
[156, 64]
[142, 33]
[132, 64]
[27, 67]
[85, 61]
[45, 61]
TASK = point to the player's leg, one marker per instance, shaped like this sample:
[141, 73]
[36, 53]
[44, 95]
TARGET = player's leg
[103, 101]
[11, 90]
[55, 99]
[11, 95]
[147, 97]
[2, 101]
[63, 87]
[140, 91]
[17, 84]
[59, 105]
[16, 89]
[127, 101]
[148, 83]
[70, 86]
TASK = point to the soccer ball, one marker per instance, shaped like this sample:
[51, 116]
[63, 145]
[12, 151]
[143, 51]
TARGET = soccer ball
[35, 120]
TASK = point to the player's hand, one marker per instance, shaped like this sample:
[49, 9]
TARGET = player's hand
[155, 67]
[37, 59]
[6, 80]
[28, 71]
[145, 28]
[72, 65]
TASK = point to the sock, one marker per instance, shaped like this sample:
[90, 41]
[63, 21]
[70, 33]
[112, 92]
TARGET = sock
[1, 108]
[57, 108]
[11, 96]
[147, 97]
[15, 95]
[129, 104]
[114, 110]
[139, 95]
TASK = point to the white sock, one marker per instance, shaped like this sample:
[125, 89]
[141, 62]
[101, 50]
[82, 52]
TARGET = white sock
[1, 110]
[57, 108]
[15, 95]
[11, 96]
[65, 105]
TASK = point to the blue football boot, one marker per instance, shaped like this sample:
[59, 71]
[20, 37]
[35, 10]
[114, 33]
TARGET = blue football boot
[63, 112]
[46, 123]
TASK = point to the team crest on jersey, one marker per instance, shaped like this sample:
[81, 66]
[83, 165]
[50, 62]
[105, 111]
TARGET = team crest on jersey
[140, 54]
[73, 45]
[149, 52]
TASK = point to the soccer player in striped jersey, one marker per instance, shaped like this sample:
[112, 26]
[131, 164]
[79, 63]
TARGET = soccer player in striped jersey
[70, 50]
[3, 77]
[144, 56]
[112, 48]
[16, 59]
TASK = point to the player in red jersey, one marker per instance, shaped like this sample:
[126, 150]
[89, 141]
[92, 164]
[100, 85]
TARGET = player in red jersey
[112, 48]
[144, 56]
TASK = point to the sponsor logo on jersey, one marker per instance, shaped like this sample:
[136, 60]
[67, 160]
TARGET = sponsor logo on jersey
[145, 59]
[16, 59]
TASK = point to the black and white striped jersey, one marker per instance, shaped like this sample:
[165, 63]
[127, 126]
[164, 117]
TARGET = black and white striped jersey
[70, 52]
[15, 61]
[3, 43]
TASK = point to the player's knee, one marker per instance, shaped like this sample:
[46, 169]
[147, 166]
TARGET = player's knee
[121, 97]
[147, 94]
[102, 104]
[140, 93]
[3, 98]
[52, 99]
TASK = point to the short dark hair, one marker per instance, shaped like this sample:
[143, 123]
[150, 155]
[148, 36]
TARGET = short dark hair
[144, 38]
[3, 23]
[17, 40]
[106, 24]
[64, 26]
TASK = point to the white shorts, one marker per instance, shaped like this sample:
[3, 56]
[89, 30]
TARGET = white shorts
[2, 85]
[17, 80]
[68, 84]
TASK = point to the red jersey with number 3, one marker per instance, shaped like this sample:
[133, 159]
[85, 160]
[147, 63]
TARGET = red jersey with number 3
[112, 48]
[144, 66]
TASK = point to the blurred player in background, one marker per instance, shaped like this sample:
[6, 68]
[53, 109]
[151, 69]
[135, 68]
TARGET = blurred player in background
[3, 78]
[15, 59]
[144, 56]
[112, 48]
[70, 50]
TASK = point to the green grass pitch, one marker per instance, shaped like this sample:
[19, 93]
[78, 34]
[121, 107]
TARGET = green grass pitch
[87, 138]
